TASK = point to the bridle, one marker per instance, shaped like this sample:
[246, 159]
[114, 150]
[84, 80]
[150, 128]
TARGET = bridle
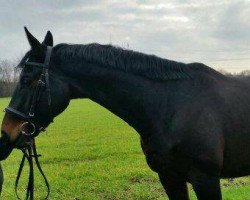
[42, 82]
[29, 151]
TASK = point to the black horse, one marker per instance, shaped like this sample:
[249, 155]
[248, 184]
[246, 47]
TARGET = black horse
[1, 179]
[194, 122]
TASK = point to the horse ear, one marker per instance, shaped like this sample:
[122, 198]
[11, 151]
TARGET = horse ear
[34, 43]
[48, 40]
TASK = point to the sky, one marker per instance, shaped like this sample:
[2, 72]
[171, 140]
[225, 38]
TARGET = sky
[216, 33]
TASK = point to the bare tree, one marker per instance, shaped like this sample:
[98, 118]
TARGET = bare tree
[8, 77]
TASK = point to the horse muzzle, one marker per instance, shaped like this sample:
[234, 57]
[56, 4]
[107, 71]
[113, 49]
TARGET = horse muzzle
[26, 133]
[6, 146]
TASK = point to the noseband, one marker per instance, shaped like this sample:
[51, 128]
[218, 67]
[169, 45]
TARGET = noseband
[30, 129]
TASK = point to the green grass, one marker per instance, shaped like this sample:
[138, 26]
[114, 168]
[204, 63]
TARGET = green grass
[88, 154]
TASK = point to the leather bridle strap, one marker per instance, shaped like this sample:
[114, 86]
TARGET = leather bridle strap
[43, 81]
[30, 153]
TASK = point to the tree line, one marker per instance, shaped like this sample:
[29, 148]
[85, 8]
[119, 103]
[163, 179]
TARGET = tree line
[9, 74]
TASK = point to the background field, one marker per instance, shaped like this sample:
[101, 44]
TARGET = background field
[88, 154]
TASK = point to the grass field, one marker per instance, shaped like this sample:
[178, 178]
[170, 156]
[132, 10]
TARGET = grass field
[88, 154]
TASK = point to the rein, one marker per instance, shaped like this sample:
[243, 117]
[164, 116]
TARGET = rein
[30, 154]
[29, 151]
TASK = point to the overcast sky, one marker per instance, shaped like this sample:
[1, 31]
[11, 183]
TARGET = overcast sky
[216, 33]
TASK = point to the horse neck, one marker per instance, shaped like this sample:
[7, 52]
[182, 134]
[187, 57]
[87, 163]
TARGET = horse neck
[125, 95]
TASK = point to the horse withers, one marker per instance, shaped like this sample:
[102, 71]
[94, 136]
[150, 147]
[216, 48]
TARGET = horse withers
[194, 122]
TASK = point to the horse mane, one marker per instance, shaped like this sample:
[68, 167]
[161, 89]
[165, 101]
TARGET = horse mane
[149, 66]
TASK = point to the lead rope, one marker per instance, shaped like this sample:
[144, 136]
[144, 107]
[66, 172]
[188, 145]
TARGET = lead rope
[29, 153]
